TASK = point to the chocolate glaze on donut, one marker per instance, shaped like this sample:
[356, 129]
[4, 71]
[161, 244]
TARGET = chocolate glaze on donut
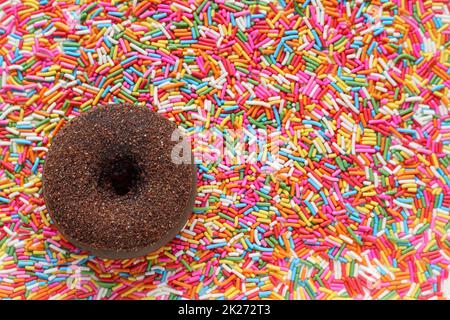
[110, 184]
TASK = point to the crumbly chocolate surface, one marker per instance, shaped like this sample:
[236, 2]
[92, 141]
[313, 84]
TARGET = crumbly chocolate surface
[110, 184]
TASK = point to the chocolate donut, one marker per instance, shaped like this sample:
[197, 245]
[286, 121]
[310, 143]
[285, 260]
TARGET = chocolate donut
[110, 183]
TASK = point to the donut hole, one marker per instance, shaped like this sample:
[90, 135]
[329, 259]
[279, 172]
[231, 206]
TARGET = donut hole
[120, 176]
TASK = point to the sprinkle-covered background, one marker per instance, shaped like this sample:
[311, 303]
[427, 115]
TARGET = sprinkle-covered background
[358, 206]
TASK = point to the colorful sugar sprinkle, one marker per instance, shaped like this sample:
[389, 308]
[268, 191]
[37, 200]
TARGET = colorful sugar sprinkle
[356, 205]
